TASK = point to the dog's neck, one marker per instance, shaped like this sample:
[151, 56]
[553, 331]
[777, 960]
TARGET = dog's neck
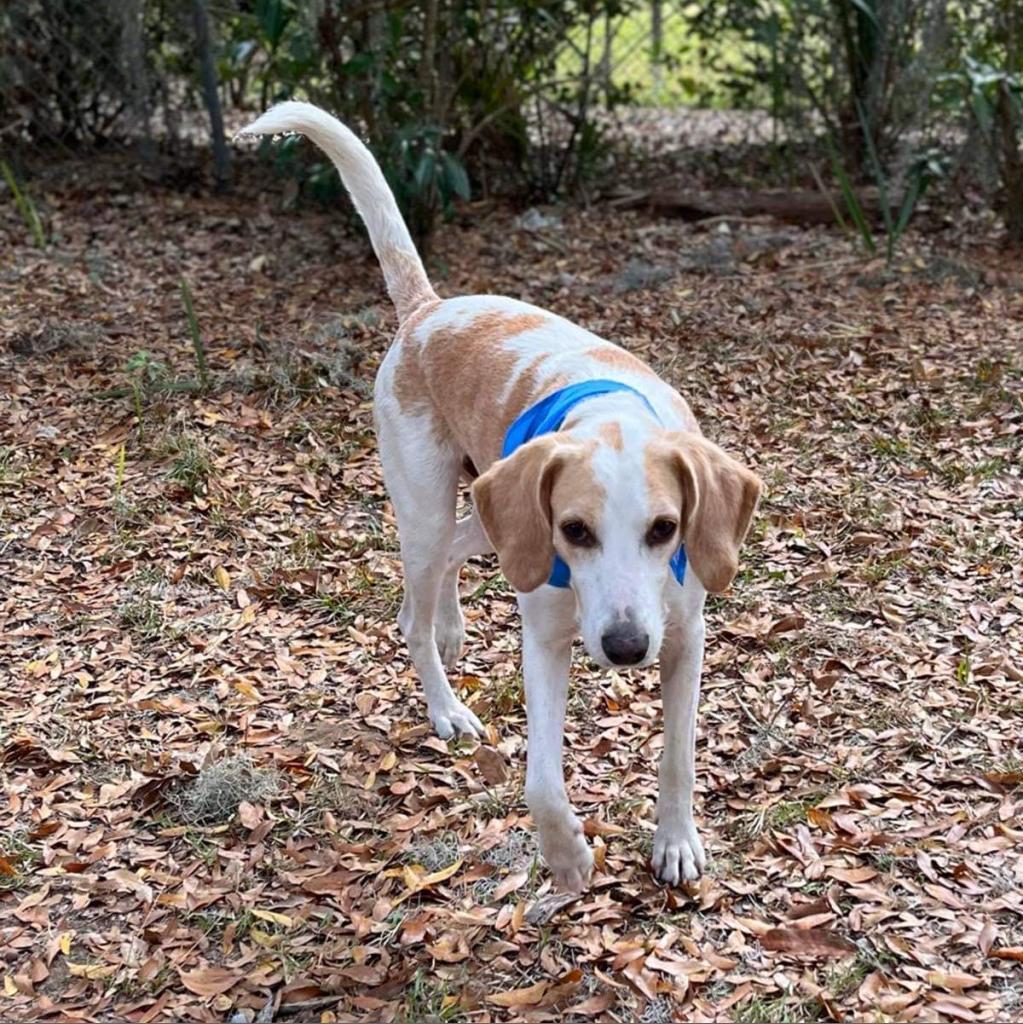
[623, 410]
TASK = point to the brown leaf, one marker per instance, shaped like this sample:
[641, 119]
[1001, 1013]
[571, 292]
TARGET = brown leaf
[986, 937]
[492, 765]
[249, 814]
[209, 981]
[802, 910]
[548, 905]
[807, 942]
[332, 882]
[852, 875]
[787, 623]
[591, 1007]
[514, 881]
[1008, 953]
[953, 982]
[864, 539]
[529, 996]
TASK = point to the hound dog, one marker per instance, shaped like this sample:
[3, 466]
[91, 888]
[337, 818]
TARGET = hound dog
[610, 513]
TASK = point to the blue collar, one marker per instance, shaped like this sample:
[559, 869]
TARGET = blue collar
[546, 417]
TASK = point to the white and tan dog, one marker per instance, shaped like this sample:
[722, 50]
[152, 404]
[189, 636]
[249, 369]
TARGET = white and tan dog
[613, 493]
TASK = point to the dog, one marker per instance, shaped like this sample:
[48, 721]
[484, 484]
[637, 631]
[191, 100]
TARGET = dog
[611, 515]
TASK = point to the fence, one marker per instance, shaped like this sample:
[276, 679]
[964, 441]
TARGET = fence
[639, 56]
[83, 73]
[91, 72]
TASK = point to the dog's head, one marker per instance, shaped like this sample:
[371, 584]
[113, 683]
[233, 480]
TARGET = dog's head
[616, 513]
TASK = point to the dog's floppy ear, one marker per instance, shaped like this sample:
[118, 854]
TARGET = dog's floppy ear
[513, 500]
[719, 497]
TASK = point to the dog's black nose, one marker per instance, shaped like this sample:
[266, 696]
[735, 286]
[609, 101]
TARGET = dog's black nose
[625, 644]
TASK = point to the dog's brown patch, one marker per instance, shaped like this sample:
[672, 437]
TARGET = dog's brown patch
[663, 483]
[611, 434]
[619, 359]
[410, 387]
[467, 371]
[577, 493]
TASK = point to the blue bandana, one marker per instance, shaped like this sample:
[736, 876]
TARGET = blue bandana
[546, 417]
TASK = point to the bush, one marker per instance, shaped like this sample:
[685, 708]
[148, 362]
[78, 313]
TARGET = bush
[444, 90]
[987, 84]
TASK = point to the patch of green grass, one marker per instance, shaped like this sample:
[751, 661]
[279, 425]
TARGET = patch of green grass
[843, 977]
[507, 694]
[338, 610]
[9, 473]
[25, 206]
[190, 466]
[880, 569]
[142, 616]
[781, 816]
[222, 525]
[777, 1010]
[496, 582]
[18, 857]
[1007, 766]
[891, 447]
[428, 1000]
[203, 846]
[992, 467]
[213, 922]
[307, 549]
[198, 345]
[141, 612]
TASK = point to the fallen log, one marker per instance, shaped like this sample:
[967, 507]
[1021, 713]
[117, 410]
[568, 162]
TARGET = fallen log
[799, 207]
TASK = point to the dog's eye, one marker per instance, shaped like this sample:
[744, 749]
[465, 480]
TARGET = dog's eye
[661, 531]
[577, 533]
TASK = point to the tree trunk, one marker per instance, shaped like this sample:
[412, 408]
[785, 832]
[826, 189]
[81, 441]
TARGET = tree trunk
[134, 55]
[1012, 164]
[657, 48]
[221, 154]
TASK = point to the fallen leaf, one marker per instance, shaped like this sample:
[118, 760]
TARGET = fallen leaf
[209, 981]
[269, 915]
[517, 997]
[492, 765]
[815, 942]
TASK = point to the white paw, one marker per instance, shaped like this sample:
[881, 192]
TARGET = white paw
[678, 854]
[449, 635]
[567, 854]
[455, 717]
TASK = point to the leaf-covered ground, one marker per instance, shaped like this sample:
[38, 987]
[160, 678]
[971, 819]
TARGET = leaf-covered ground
[221, 797]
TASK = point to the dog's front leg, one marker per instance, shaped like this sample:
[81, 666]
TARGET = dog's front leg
[678, 854]
[548, 626]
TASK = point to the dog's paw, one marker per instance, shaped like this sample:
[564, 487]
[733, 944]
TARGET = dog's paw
[678, 854]
[454, 718]
[567, 855]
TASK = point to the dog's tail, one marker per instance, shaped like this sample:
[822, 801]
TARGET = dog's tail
[404, 274]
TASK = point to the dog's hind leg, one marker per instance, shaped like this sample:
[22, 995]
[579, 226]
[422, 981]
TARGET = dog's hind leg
[449, 630]
[421, 475]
